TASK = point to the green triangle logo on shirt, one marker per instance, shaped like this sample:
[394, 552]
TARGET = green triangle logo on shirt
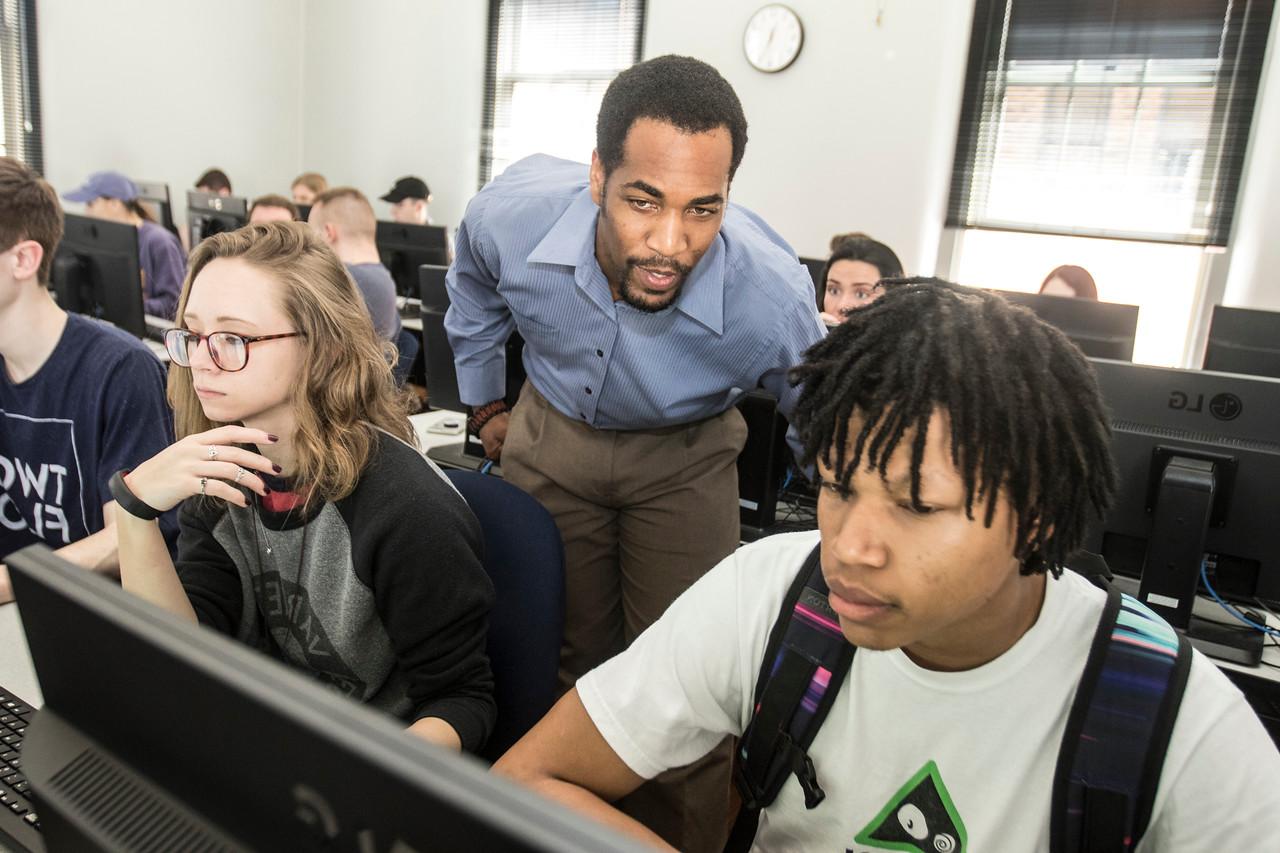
[919, 818]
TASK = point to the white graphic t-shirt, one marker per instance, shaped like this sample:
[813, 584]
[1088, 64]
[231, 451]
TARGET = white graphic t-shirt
[913, 759]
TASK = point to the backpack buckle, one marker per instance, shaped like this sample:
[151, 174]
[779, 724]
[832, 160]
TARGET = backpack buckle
[806, 774]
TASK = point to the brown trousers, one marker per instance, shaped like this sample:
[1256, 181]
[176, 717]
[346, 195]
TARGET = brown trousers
[643, 515]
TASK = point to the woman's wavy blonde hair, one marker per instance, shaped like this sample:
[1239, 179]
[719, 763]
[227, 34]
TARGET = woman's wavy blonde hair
[345, 391]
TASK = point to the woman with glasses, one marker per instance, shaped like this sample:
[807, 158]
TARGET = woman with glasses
[311, 528]
[853, 275]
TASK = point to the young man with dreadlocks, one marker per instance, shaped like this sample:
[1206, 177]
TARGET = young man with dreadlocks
[962, 447]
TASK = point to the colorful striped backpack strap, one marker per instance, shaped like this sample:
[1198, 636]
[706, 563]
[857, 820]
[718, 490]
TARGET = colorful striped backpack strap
[1118, 730]
[804, 664]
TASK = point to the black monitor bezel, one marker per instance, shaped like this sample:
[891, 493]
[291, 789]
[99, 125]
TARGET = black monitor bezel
[84, 632]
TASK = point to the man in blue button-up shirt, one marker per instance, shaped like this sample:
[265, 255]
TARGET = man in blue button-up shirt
[648, 305]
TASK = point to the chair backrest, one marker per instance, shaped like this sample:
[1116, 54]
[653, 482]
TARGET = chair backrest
[407, 345]
[525, 560]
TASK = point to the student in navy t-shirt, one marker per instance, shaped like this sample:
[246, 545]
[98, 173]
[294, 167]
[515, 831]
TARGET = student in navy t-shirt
[79, 399]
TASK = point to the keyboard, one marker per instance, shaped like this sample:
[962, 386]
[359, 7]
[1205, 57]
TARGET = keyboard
[19, 824]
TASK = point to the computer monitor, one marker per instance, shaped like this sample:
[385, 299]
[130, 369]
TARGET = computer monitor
[431, 287]
[1243, 340]
[816, 266]
[1199, 458]
[95, 272]
[155, 196]
[1100, 329]
[441, 372]
[405, 248]
[157, 734]
[762, 464]
[210, 213]
[437, 354]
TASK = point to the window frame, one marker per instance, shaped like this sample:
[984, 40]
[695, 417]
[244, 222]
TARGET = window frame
[23, 136]
[496, 90]
[977, 140]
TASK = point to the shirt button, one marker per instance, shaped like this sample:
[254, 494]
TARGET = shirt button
[600, 353]
[588, 390]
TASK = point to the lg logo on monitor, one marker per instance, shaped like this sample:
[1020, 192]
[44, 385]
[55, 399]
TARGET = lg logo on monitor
[1224, 406]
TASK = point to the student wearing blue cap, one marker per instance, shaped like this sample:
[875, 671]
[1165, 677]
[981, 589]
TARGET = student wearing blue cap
[112, 196]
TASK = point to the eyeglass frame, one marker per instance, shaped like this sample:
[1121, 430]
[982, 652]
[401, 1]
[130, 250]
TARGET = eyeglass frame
[204, 339]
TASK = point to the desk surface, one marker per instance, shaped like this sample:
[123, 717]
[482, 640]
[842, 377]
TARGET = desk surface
[157, 324]
[16, 674]
[423, 422]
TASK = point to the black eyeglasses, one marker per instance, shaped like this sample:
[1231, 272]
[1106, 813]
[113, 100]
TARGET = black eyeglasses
[229, 351]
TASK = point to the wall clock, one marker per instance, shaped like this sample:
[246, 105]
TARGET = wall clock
[773, 38]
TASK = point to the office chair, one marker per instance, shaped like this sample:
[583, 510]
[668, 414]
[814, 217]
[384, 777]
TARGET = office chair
[407, 344]
[524, 557]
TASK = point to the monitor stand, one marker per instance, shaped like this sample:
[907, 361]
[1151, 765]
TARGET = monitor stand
[1175, 553]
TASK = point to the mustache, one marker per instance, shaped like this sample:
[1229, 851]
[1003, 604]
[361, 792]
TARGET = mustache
[658, 262]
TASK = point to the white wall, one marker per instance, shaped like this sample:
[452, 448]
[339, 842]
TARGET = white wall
[858, 134]
[864, 122]
[163, 89]
[394, 87]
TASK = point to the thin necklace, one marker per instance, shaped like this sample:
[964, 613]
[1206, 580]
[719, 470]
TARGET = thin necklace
[302, 550]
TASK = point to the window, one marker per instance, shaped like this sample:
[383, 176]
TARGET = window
[19, 95]
[1106, 119]
[550, 62]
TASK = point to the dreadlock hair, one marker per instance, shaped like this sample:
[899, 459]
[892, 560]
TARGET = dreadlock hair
[1026, 415]
[679, 90]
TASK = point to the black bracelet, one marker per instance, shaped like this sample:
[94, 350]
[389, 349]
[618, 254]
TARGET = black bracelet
[130, 502]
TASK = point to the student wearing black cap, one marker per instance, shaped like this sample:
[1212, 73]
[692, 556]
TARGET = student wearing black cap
[409, 199]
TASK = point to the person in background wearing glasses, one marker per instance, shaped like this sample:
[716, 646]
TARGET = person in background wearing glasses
[311, 527]
[79, 398]
[853, 275]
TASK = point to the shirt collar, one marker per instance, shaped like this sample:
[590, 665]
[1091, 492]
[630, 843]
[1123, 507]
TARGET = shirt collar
[571, 241]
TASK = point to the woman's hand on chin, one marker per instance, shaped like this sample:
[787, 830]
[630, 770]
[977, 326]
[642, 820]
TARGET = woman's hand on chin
[208, 463]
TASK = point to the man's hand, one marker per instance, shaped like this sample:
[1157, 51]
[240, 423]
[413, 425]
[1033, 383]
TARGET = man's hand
[494, 434]
[6, 589]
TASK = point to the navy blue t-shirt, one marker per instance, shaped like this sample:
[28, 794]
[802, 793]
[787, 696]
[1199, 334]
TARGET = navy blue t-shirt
[96, 406]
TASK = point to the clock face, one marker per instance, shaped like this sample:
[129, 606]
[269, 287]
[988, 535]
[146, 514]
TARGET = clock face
[773, 38]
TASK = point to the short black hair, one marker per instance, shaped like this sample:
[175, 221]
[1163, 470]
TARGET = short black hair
[679, 90]
[1027, 418]
[859, 247]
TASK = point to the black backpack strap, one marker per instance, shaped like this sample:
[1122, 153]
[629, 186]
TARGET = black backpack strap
[1118, 730]
[804, 665]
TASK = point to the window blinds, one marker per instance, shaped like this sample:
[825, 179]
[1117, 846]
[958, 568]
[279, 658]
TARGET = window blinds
[19, 93]
[549, 63]
[1108, 118]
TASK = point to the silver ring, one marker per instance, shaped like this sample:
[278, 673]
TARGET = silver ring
[240, 472]
[204, 483]
[213, 453]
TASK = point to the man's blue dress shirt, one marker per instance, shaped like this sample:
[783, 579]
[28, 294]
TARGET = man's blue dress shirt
[525, 256]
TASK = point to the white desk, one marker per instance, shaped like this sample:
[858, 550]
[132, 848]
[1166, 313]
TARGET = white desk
[157, 324]
[16, 673]
[428, 440]
[158, 350]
